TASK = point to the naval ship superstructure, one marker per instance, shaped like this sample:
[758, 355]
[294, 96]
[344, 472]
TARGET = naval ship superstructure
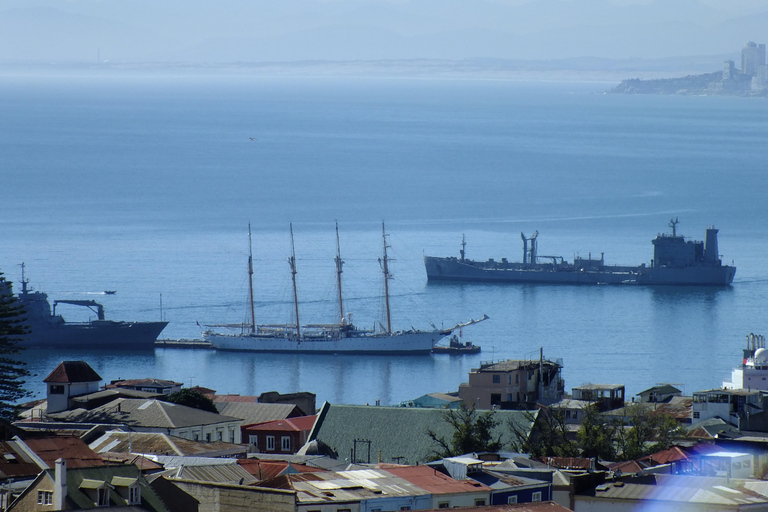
[676, 261]
[48, 329]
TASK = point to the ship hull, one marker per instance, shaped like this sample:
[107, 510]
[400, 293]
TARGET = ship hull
[413, 342]
[453, 269]
[96, 334]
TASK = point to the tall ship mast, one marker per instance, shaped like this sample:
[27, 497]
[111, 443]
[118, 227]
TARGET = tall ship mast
[250, 278]
[387, 277]
[339, 264]
[292, 263]
[342, 337]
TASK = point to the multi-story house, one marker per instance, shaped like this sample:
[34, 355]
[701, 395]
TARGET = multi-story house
[513, 384]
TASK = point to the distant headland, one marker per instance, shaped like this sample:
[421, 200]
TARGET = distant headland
[750, 80]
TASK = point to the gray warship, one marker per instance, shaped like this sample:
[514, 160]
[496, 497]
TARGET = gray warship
[676, 261]
[47, 329]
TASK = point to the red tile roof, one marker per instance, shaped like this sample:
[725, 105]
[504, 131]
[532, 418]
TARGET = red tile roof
[73, 371]
[435, 482]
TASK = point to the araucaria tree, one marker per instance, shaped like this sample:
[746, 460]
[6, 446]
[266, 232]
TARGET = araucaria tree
[472, 432]
[12, 370]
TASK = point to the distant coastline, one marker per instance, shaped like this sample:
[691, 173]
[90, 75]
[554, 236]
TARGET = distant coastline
[595, 70]
[709, 84]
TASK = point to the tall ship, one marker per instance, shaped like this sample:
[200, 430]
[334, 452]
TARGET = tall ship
[676, 261]
[343, 337]
[49, 329]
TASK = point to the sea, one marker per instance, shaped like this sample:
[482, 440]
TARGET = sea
[146, 184]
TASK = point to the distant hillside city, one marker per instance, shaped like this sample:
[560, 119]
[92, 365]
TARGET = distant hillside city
[750, 80]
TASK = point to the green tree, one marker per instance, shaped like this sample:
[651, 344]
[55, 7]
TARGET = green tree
[548, 438]
[649, 431]
[472, 432]
[596, 436]
[12, 370]
[191, 398]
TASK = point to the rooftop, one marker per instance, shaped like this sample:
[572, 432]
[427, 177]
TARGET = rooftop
[68, 372]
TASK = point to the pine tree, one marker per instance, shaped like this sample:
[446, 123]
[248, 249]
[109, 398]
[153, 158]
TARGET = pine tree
[12, 370]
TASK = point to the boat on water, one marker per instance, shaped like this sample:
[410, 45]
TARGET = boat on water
[343, 337]
[753, 371]
[456, 347]
[49, 329]
[676, 261]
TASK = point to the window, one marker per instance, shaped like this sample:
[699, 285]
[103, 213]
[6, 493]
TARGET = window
[497, 379]
[444, 504]
[696, 414]
[285, 443]
[575, 414]
[208, 437]
[511, 500]
[746, 464]
[479, 503]
[45, 497]
[254, 440]
[103, 496]
[56, 389]
[517, 378]
[270, 442]
[197, 436]
[221, 435]
[134, 495]
[405, 508]
[231, 435]
[536, 496]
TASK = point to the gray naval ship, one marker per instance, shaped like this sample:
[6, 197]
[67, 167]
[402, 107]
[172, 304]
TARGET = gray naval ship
[676, 261]
[47, 329]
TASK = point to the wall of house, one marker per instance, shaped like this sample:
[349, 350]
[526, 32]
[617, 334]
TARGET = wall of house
[396, 503]
[468, 499]
[523, 495]
[238, 498]
[329, 507]
[228, 430]
[27, 501]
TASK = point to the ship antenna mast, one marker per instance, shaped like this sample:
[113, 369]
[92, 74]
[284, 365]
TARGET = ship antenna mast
[292, 263]
[673, 224]
[387, 277]
[339, 265]
[463, 246]
[23, 280]
[250, 278]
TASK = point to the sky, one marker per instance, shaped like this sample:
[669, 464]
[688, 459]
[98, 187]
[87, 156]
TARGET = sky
[230, 31]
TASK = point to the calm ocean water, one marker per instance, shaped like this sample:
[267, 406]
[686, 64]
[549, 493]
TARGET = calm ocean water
[146, 185]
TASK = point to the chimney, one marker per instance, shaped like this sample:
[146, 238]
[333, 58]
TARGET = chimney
[60, 485]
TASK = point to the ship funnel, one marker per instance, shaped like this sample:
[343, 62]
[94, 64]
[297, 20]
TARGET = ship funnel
[711, 254]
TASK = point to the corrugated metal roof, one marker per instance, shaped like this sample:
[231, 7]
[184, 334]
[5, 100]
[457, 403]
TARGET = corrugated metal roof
[252, 413]
[435, 482]
[155, 443]
[145, 413]
[298, 424]
[72, 449]
[682, 489]
[218, 473]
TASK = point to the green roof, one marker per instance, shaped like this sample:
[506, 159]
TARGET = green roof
[396, 434]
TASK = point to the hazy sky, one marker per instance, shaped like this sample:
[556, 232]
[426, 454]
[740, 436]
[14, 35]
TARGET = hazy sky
[57, 31]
